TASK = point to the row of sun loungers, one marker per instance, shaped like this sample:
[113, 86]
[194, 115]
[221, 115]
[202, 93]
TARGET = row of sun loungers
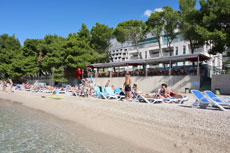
[210, 100]
[206, 100]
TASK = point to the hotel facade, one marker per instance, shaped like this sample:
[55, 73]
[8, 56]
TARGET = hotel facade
[149, 49]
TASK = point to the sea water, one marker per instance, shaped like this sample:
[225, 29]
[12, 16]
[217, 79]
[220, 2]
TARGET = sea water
[26, 130]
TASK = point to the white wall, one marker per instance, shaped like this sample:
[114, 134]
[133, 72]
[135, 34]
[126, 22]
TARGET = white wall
[153, 83]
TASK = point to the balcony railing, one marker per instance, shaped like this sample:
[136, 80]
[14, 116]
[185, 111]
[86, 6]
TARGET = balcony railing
[153, 55]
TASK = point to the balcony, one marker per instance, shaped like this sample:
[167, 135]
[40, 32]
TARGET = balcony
[153, 55]
[133, 58]
[167, 54]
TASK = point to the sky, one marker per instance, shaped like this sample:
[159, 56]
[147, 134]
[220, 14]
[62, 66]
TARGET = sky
[34, 19]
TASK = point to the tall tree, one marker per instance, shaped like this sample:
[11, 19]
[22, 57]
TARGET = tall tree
[100, 41]
[131, 30]
[171, 22]
[84, 33]
[214, 27]
[9, 57]
[155, 25]
[188, 21]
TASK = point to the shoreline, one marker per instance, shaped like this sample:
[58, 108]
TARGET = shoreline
[116, 126]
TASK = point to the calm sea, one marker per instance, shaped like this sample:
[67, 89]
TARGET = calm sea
[27, 130]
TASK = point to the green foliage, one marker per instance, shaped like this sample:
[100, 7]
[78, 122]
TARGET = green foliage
[59, 74]
[155, 25]
[100, 41]
[9, 57]
[214, 26]
[131, 30]
[84, 33]
[171, 22]
[188, 21]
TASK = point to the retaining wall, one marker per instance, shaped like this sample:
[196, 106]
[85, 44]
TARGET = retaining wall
[153, 83]
[146, 84]
[221, 82]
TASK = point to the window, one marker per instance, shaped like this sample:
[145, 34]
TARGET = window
[124, 53]
[184, 63]
[146, 54]
[184, 49]
[176, 50]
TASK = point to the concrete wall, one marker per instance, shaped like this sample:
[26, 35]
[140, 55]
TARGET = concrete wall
[153, 83]
[221, 82]
[146, 84]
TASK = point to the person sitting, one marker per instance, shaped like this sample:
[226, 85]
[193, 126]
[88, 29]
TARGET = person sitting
[107, 83]
[165, 93]
[113, 87]
[27, 86]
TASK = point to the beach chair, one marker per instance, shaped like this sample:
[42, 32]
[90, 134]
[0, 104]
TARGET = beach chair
[100, 92]
[141, 98]
[218, 100]
[204, 102]
[175, 100]
[118, 92]
[110, 93]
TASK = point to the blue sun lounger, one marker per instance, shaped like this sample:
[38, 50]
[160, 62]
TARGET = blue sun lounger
[218, 100]
[204, 102]
[110, 93]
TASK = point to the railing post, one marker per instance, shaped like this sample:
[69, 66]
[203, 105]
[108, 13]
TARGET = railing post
[198, 66]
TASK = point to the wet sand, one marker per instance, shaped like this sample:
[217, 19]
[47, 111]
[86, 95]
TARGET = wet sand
[120, 126]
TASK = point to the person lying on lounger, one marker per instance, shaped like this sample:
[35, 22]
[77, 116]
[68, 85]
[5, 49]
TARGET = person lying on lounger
[164, 92]
[136, 92]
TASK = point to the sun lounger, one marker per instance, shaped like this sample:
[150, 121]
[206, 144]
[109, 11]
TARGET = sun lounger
[204, 102]
[218, 100]
[110, 93]
[175, 100]
[141, 98]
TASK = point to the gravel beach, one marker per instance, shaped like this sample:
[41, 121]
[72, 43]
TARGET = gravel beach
[121, 126]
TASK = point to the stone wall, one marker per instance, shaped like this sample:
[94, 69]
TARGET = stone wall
[221, 82]
[153, 83]
[146, 84]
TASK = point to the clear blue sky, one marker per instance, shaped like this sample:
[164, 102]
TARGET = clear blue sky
[36, 18]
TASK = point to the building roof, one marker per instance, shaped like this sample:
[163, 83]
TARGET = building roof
[156, 60]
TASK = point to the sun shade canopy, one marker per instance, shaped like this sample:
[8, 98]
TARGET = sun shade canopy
[156, 60]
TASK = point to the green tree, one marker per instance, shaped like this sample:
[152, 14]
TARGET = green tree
[188, 21]
[84, 33]
[9, 57]
[155, 25]
[214, 26]
[171, 22]
[100, 41]
[131, 30]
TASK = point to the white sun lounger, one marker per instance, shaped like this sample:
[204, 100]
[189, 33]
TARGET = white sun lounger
[141, 98]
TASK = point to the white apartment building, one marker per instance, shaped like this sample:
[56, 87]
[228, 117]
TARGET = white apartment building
[149, 49]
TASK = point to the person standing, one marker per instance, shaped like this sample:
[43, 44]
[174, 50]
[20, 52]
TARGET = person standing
[4, 86]
[11, 85]
[127, 85]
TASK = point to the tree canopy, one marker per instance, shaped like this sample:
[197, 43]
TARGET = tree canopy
[214, 25]
[131, 30]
